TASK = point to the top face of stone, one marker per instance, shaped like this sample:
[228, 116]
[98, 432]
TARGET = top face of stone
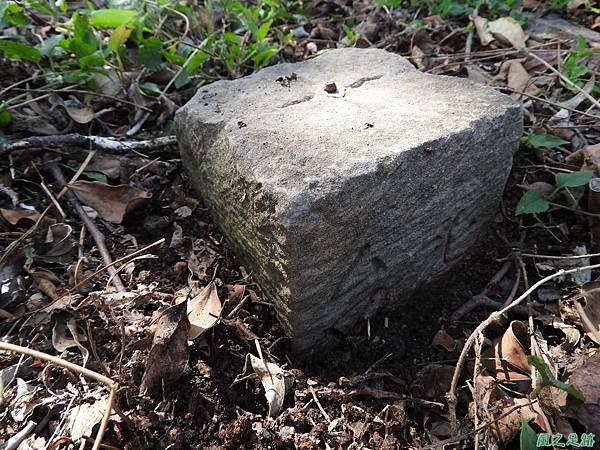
[293, 135]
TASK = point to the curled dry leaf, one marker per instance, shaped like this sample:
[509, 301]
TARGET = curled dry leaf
[13, 216]
[506, 359]
[169, 353]
[203, 311]
[275, 381]
[111, 202]
[483, 30]
[80, 114]
[26, 399]
[59, 239]
[504, 410]
[508, 31]
[587, 157]
[65, 336]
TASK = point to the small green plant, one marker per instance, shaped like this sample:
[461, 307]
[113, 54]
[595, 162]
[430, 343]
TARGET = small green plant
[455, 8]
[527, 437]
[85, 41]
[548, 379]
[542, 140]
[389, 3]
[575, 68]
[532, 202]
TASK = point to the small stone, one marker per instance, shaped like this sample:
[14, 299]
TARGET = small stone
[336, 218]
[331, 88]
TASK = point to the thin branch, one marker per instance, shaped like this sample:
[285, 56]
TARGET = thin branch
[549, 102]
[110, 384]
[74, 139]
[565, 79]
[451, 395]
[89, 224]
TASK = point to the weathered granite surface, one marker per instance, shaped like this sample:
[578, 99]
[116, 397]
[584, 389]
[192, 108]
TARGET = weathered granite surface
[341, 203]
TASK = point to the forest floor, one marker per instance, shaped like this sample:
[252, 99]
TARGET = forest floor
[102, 273]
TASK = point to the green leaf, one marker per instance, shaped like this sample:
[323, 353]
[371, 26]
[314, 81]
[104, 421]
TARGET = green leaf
[18, 51]
[262, 32]
[118, 38]
[573, 179]
[112, 18]
[84, 41]
[527, 437]
[182, 79]
[5, 119]
[569, 389]
[537, 140]
[532, 203]
[96, 176]
[149, 53]
[14, 14]
[92, 61]
[548, 378]
[150, 88]
[196, 61]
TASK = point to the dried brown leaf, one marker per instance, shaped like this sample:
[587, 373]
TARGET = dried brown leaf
[443, 339]
[80, 114]
[59, 239]
[82, 419]
[13, 216]
[274, 380]
[508, 31]
[111, 202]
[203, 311]
[483, 30]
[169, 354]
[506, 359]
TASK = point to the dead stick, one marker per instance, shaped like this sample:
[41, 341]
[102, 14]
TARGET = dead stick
[75, 368]
[75, 139]
[89, 224]
[451, 395]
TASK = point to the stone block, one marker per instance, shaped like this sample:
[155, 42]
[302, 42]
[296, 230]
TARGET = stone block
[341, 199]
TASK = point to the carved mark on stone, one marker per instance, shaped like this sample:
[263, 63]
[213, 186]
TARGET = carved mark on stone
[354, 276]
[306, 98]
[358, 83]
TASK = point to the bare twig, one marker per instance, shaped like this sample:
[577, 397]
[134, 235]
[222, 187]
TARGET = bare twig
[110, 384]
[316, 399]
[74, 139]
[549, 102]
[89, 224]
[451, 395]
[14, 442]
[565, 79]
[534, 255]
